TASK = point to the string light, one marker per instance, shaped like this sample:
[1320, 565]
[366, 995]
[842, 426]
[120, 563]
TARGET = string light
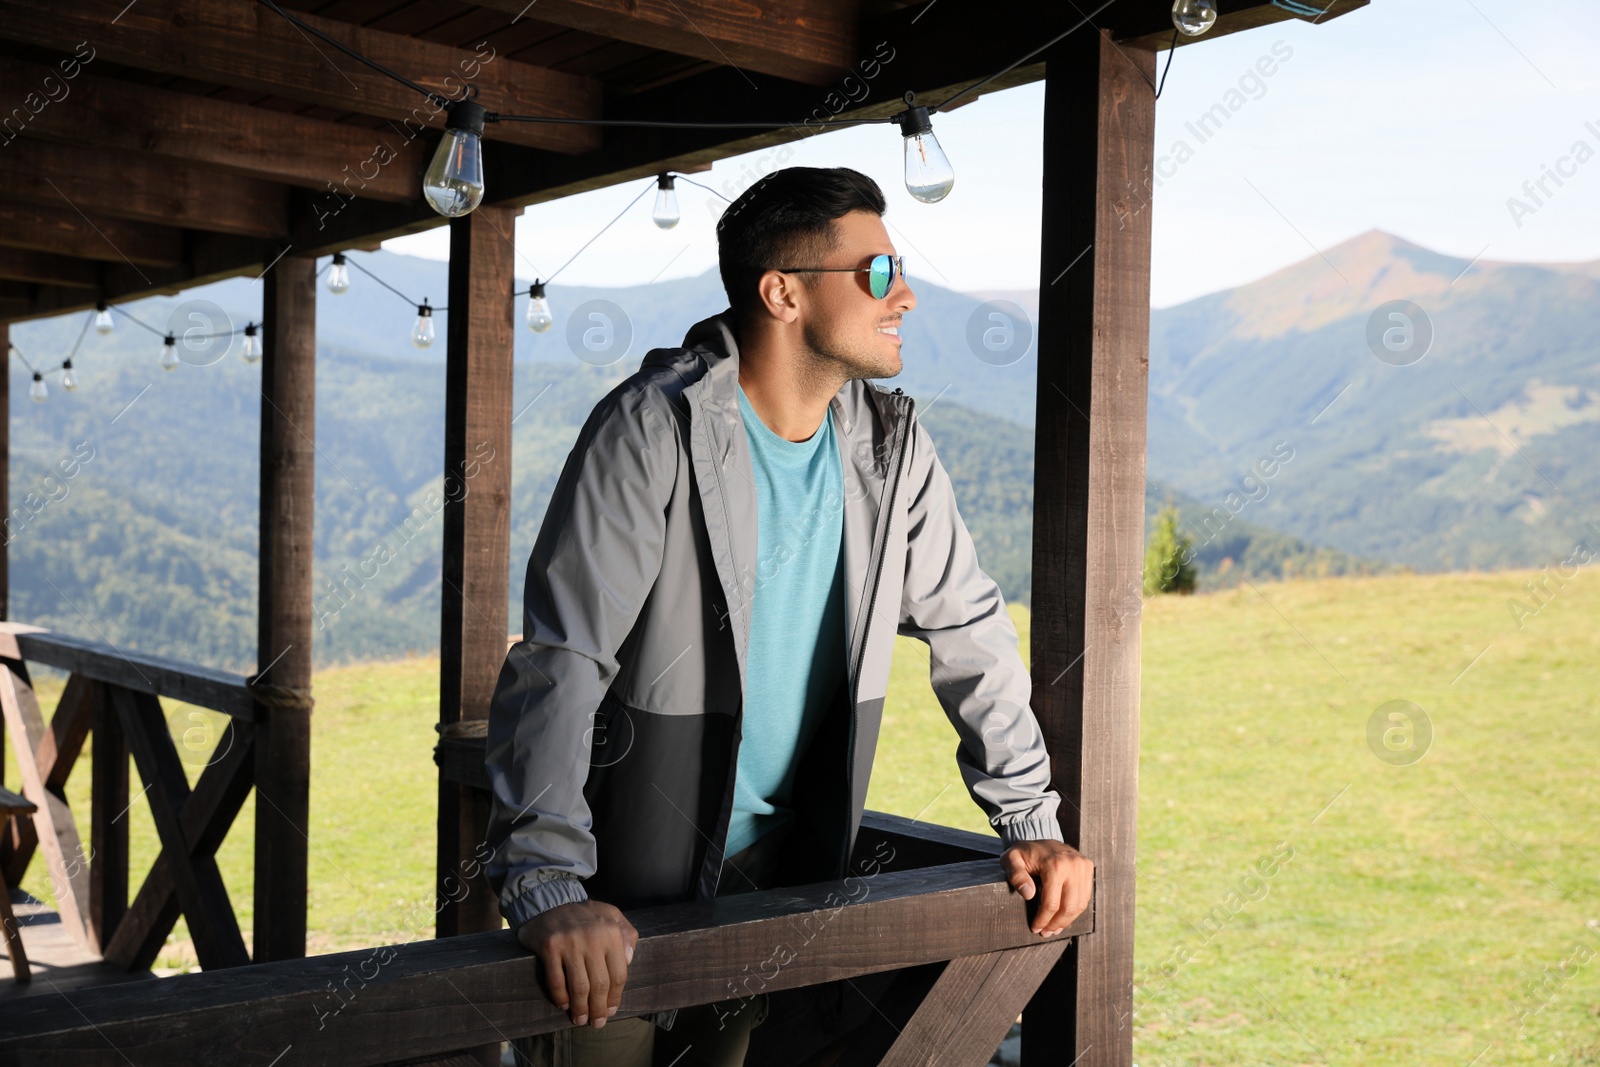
[38, 390]
[453, 184]
[422, 329]
[169, 353]
[539, 318]
[102, 318]
[665, 214]
[69, 377]
[1194, 17]
[338, 275]
[252, 344]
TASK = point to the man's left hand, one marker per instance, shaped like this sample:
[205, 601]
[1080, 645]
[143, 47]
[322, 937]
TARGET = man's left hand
[1066, 880]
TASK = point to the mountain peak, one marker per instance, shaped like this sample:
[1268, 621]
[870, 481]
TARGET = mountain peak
[1359, 273]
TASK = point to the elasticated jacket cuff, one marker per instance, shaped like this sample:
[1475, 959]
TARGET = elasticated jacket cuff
[540, 897]
[1041, 828]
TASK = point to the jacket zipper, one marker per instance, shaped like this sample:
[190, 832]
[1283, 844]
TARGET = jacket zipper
[738, 725]
[866, 630]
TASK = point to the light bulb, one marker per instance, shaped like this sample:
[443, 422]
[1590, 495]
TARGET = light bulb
[666, 213]
[69, 377]
[37, 390]
[422, 330]
[169, 353]
[102, 318]
[338, 275]
[539, 318]
[252, 343]
[929, 176]
[454, 181]
[1194, 17]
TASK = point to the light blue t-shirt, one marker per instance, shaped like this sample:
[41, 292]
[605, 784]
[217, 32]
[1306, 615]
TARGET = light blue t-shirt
[797, 640]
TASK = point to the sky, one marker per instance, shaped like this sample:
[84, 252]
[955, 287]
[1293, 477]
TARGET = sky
[1418, 117]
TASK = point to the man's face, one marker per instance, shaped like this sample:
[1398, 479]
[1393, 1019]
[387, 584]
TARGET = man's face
[841, 321]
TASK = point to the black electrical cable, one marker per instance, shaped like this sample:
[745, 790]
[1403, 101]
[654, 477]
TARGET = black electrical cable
[1171, 48]
[357, 56]
[1018, 62]
[387, 286]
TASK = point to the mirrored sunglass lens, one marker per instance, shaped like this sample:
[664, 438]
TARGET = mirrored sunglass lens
[882, 276]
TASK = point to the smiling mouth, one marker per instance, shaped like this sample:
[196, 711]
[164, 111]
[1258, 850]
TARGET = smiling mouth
[892, 331]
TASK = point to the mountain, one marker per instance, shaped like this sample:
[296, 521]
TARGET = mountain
[1467, 455]
[1286, 443]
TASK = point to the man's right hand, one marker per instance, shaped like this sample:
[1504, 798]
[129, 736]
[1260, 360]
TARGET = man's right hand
[586, 948]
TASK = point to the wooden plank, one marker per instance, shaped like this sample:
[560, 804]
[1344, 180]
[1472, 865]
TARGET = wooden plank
[142, 672]
[243, 44]
[46, 267]
[54, 827]
[108, 823]
[146, 189]
[283, 736]
[198, 883]
[122, 116]
[13, 933]
[58, 750]
[49, 228]
[434, 997]
[811, 41]
[477, 535]
[1246, 18]
[206, 817]
[971, 1007]
[1088, 541]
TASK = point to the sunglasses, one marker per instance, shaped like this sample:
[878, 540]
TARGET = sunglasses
[881, 274]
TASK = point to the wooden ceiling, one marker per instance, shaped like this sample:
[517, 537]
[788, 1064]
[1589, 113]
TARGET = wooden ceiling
[198, 139]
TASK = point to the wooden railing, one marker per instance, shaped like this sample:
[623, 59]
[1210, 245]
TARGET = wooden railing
[427, 999]
[115, 696]
[919, 895]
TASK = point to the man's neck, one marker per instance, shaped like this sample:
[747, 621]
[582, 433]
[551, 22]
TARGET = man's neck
[786, 386]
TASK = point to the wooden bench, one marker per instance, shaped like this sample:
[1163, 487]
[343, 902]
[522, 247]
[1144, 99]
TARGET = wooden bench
[12, 804]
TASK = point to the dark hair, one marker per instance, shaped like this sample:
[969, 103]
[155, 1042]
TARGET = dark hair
[784, 218]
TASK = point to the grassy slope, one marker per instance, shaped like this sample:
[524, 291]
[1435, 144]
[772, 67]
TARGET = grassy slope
[1422, 907]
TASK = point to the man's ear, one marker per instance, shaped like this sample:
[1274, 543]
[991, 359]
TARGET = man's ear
[779, 295]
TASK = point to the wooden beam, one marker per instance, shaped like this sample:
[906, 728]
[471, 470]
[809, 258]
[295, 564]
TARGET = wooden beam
[243, 44]
[283, 737]
[142, 188]
[1088, 540]
[971, 1007]
[123, 116]
[810, 41]
[137, 938]
[54, 826]
[5, 485]
[66, 232]
[197, 882]
[1233, 18]
[143, 672]
[108, 822]
[477, 536]
[49, 269]
[433, 997]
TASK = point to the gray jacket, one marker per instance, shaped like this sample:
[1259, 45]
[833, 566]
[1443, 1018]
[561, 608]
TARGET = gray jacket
[614, 731]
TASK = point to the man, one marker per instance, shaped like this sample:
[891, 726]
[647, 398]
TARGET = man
[739, 533]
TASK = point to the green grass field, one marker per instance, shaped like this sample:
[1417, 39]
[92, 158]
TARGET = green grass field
[1427, 913]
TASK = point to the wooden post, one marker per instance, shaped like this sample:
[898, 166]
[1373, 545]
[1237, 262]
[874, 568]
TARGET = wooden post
[477, 540]
[1088, 539]
[283, 681]
[5, 487]
[108, 824]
